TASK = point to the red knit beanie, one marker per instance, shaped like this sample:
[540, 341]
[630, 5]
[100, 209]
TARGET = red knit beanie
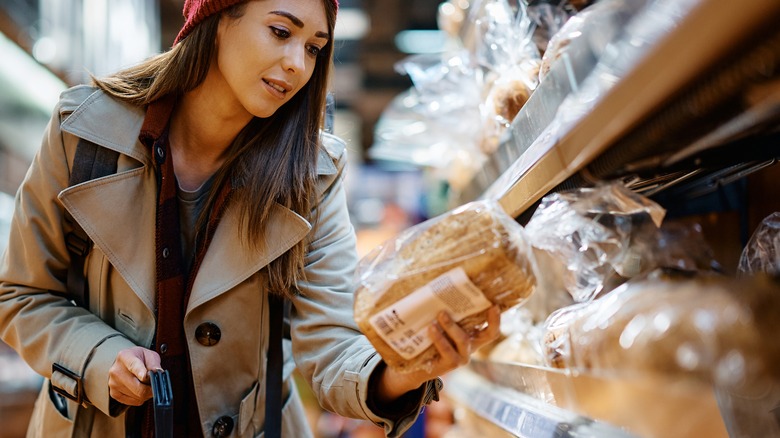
[196, 11]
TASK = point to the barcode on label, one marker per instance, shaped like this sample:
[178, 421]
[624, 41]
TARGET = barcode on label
[382, 324]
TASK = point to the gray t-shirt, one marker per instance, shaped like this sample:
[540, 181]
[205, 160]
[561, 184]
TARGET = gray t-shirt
[191, 204]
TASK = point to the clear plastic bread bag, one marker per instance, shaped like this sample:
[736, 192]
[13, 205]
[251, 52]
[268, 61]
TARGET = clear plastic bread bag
[506, 51]
[680, 244]
[464, 262]
[560, 40]
[549, 16]
[707, 327]
[438, 120]
[451, 17]
[762, 252]
[584, 236]
[520, 339]
[631, 29]
[598, 24]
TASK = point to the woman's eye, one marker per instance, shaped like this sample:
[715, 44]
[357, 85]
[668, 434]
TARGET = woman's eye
[314, 50]
[279, 32]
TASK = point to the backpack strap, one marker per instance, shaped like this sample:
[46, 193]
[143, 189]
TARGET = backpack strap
[273, 374]
[90, 162]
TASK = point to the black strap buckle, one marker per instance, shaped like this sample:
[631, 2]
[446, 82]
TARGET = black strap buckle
[432, 391]
[78, 397]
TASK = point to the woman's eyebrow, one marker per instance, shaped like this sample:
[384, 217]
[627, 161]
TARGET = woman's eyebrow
[297, 22]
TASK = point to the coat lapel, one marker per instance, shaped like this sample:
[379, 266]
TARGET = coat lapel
[118, 211]
[229, 261]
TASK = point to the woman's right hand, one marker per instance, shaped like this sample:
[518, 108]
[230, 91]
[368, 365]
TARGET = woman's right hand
[128, 378]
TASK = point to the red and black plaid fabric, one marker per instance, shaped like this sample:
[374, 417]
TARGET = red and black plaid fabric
[173, 284]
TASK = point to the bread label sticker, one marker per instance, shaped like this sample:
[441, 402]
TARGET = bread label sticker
[404, 324]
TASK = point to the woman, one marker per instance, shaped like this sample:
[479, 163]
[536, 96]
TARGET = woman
[221, 170]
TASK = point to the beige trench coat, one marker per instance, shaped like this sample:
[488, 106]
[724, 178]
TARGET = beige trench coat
[118, 213]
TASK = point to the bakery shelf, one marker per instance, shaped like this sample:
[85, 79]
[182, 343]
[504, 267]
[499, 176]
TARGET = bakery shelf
[681, 115]
[707, 80]
[520, 414]
[679, 111]
[538, 402]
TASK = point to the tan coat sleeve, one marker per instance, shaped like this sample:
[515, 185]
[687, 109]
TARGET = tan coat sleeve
[35, 317]
[328, 347]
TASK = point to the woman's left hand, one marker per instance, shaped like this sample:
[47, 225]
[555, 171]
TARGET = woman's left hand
[454, 346]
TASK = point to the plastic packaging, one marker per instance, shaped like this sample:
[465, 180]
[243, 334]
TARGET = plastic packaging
[436, 123]
[762, 252]
[711, 328]
[463, 99]
[587, 234]
[451, 15]
[463, 262]
[549, 16]
[558, 43]
[521, 341]
[511, 60]
[680, 245]
[642, 24]
[635, 27]
[599, 24]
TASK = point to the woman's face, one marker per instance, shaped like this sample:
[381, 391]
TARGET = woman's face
[269, 54]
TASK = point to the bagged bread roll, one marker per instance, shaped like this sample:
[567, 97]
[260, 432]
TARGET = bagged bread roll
[506, 97]
[464, 262]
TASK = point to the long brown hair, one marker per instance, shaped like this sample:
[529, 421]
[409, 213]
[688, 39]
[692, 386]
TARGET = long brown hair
[271, 160]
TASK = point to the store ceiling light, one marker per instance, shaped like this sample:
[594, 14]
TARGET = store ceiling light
[421, 41]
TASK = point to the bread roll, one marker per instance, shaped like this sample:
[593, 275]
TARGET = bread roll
[506, 97]
[479, 240]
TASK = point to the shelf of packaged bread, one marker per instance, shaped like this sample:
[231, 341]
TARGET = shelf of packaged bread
[668, 356]
[562, 79]
[701, 41]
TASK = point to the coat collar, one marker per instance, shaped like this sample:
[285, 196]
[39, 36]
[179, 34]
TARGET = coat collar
[98, 111]
[107, 122]
[118, 211]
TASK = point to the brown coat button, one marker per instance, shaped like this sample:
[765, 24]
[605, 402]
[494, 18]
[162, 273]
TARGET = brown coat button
[222, 427]
[208, 334]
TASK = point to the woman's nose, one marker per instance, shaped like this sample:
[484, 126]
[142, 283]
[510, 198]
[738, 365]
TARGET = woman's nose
[294, 59]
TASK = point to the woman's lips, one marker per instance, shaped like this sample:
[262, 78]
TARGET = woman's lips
[277, 89]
